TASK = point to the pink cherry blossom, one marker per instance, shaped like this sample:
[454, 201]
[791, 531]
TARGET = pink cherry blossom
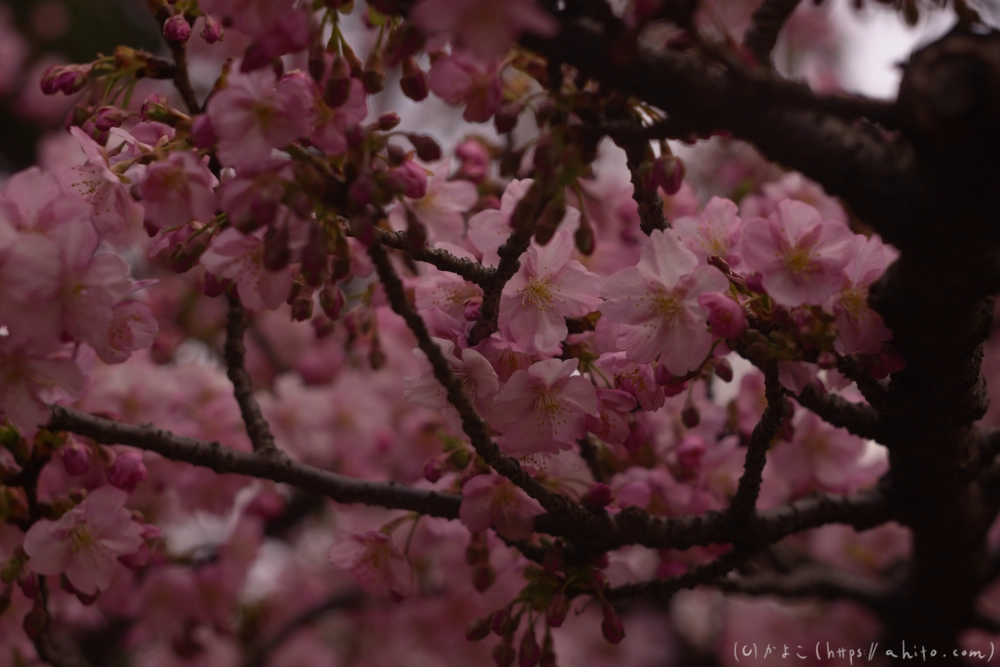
[489, 229]
[484, 26]
[545, 407]
[240, 258]
[715, 231]
[477, 376]
[178, 190]
[330, 129]
[548, 288]
[104, 188]
[127, 471]
[637, 380]
[86, 541]
[656, 304]
[377, 564]
[611, 422]
[33, 374]
[34, 200]
[442, 205]
[257, 113]
[820, 457]
[461, 79]
[494, 501]
[447, 291]
[859, 328]
[799, 256]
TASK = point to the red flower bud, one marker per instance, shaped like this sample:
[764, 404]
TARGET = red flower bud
[176, 28]
[530, 652]
[611, 626]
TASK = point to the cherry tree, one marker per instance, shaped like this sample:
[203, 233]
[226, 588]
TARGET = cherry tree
[662, 353]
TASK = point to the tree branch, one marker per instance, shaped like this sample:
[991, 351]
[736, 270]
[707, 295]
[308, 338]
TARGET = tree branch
[857, 418]
[744, 502]
[822, 583]
[664, 589]
[474, 272]
[235, 355]
[277, 467]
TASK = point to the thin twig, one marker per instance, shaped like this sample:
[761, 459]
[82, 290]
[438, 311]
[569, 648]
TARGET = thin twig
[474, 272]
[235, 355]
[664, 589]
[823, 583]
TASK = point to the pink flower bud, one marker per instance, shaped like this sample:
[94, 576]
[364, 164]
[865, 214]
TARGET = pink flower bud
[35, 622]
[471, 313]
[108, 117]
[483, 576]
[332, 301]
[433, 470]
[387, 121]
[373, 75]
[428, 150]
[723, 369]
[556, 612]
[611, 626]
[530, 652]
[726, 318]
[29, 585]
[76, 458]
[409, 179]
[176, 28]
[138, 560]
[501, 622]
[475, 160]
[211, 32]
[302, 307]
[690, 451]
[362, 191]
[506, 116]
[127, 471]
[598, 496]
[154, 108]
[413, 82]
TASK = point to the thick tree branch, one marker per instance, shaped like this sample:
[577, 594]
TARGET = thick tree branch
[235, 355]
[786, 121]
[857, 418]
[762, 35]
[474, 272]
[664, 589]
[814, 582]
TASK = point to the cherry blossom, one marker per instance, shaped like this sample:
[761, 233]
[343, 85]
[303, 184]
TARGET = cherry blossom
[475, 373]
[86, 541]
[715, 231]
[799, 256]
[491, 501]
[859, 328]
[375, 561]
[545, 407]
[33, 373]
[489, 229]
[461, 79]
[548, 288]
[483, 26]
[442, 205]
[256, 113]
[178, 190]
[330, 129]
[240, 258]
[656, 304]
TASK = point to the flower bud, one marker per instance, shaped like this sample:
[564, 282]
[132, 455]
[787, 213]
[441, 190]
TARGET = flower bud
[76, 458]
[530, 653]
[352, 60]
[28, 581]
[483, 576]
[413, 82]
[176, 28]
[477, 630]
[690, 415]
[302, 306]
[723, 369]
[598, 496]
[611, 626]
[427, 149]
[35, 622]
[127, 471]
[373, 75]
[315, 263]
[501, 622]
[504, 653]
[108, 117]
[409, 179]
[433, 469]
[690, 451]
[332, 301]
[387, 121]
[636, 437]
[361, 192]
[510, 162]
[584, 236]
[211, 32]
[548, 652]
[556, 612]
[506, 116]
[472, 309]
[338, 85]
